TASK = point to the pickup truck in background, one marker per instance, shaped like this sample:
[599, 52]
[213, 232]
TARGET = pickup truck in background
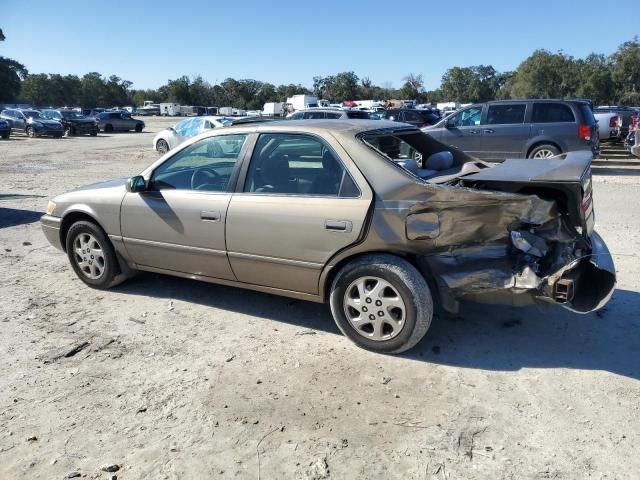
[613, 122]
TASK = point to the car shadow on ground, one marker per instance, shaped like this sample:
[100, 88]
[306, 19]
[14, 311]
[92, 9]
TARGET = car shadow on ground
[488, 337]
[10, 217]
[617, 172]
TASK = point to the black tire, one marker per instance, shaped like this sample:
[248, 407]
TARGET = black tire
[409, 284]
[30, 131]
[108, 127]
[138, 127]
[544, 151]
[69, 131]
[110, 275]
[94, 132]
[5, 135]
[162, 147]
[57, 135]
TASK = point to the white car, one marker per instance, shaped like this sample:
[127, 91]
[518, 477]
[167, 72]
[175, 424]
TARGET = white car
[171, 137]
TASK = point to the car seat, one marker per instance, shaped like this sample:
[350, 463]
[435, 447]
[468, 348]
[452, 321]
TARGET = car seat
[276, 175]
[328, 182]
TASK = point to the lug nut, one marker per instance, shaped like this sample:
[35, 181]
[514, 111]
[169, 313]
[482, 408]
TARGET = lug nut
[378, 303]
[368, 300]
[364, 309]
[372, 317]
[380, 313]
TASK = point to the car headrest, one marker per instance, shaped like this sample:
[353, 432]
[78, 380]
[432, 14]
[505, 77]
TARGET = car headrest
[275, 170]
[439, 161]
[409, 164]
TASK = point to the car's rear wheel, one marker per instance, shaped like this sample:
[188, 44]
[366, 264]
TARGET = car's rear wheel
[68, 131]
[108, 127]
[94, 132]
[544, 151]
[31, 132]
[91, 255]
[162, 147]
[138, 128]
[382, 303]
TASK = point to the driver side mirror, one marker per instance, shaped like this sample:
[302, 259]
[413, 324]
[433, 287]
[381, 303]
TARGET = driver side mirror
[136, 184]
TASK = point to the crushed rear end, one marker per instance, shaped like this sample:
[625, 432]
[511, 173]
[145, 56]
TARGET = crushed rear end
[524, 229]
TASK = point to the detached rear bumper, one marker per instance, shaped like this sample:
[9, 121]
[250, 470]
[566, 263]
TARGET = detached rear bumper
[51, 229]
[587, 284]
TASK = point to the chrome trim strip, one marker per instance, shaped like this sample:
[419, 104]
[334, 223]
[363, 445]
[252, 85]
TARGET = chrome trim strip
[173, 246]
[281, 261]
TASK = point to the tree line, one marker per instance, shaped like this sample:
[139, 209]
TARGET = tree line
[612, 79]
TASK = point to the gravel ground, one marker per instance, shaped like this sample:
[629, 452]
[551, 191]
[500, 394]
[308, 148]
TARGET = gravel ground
[174, 378]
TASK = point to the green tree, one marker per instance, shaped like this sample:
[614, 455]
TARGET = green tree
[11, 73]
[413, 87]
[626, 72]
[595, 79]
[546, 75]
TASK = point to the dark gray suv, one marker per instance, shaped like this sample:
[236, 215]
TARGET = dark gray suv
[520, 129]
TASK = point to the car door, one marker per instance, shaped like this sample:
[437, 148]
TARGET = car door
[19, 122]
[298, 206]
[504, 131]
[178, 223]
[463, 130]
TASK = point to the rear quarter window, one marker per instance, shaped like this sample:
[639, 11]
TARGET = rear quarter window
[358, 114]
[552, 113]
[588, 114]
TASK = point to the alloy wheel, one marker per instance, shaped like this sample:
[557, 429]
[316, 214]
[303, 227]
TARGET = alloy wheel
[89, 255]
[544, 153]
[374, 308]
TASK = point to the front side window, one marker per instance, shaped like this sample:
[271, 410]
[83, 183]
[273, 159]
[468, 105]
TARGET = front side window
[297, 116]
[313, 115]
[466, 118]
[206, 165]
[505, 114]
[297, 165]
[551, 113]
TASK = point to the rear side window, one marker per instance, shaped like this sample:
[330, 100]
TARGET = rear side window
[552, 113]
[333, 116]
[505, 114]
[589, 119]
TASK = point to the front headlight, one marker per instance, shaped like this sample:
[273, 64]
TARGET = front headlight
[51, 206]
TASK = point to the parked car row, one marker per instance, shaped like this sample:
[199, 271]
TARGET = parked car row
[59, 122]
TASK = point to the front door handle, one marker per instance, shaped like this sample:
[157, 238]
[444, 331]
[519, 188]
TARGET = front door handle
[489, 130]
[338, 225]
[474, 132]
[210, 215]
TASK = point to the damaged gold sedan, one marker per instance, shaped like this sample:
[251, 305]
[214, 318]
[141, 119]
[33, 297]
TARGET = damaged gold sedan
[374, 217]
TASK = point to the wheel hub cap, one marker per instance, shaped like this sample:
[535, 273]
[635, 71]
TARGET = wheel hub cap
[374, 308]
[89, 256]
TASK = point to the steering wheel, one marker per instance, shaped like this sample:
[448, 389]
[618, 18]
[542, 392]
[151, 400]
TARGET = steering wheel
[201, 176]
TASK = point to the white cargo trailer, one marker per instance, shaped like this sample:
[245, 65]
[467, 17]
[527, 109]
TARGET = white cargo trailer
[170, 109]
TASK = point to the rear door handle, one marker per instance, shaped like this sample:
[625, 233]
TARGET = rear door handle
[210, 215]
[474, 132]
[489, 130]
[338, 225]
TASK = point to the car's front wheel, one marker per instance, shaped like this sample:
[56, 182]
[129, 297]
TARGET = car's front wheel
[31, 132]
[162, 147]
[138, 127]
[382, 303]
[68, 131]
[91, 255]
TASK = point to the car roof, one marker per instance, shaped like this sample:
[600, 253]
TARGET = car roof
[340, 128]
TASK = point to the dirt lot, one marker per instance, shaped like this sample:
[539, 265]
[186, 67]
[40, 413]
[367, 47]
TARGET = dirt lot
[181, 379]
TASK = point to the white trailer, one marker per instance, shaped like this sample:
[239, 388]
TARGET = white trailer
[225, 111]
[273, 108]
[170, 109]
[300, 102]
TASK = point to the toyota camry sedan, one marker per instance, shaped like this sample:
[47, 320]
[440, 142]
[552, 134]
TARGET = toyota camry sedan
[376, 218]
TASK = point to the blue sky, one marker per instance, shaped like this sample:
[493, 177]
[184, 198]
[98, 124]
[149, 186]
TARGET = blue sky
[149, 42]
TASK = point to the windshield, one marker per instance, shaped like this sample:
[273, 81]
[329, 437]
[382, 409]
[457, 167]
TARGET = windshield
[31, 113]
[72, 115]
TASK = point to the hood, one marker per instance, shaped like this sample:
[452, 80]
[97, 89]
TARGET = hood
[104, 184]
